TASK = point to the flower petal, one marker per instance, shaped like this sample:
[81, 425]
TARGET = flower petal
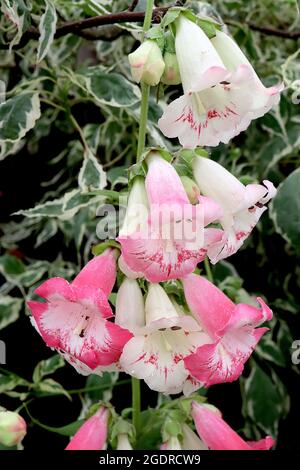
[201, 67]
[163, 185]
[100, 272]
[158, 358]
[209, 305]
[92, 434]
[78, 329]
[224, 360]
[214, 431]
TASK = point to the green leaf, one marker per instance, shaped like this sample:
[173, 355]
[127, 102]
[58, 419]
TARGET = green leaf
[110, 89]
[19, 14]
[65, 207]
[50, 386]
[17, 116]
[105, 383]
[47, 367]
[11, 265]
[263, 401]
[101, 247]
[91, 176]
[9, 310]
[9, 382]
[47, 28]
[285, 210]
[270, 351]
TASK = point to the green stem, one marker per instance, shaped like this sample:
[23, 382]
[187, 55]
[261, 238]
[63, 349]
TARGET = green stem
[148, 16]
[208, 270]
[136, 403]
[143, 120]
[135, 383]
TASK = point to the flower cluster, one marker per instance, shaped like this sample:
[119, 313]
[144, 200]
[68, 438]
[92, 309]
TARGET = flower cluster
[175, 343]
[222, 93]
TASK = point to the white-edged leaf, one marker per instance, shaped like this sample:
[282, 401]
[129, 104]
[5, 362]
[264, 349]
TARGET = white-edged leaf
[47, 28]
[19, 14]
[50, 386]
[110, 89]
[9, 310]
[285, 209]
[17, 116]
[47, 367]
[91, 176]
[63, 208]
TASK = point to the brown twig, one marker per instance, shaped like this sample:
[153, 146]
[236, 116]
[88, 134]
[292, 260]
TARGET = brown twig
[133, 5]
[78, 27]
[281, 33]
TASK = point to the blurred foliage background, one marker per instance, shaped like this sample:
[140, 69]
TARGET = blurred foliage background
[80, 138]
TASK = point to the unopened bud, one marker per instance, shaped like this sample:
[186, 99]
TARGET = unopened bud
[12, 428]
[147, 63]
[191, 189]
[171, 75]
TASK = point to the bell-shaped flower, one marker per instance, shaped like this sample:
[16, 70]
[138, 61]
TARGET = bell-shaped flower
[174, 240]
[219, 99]
[147, 63]
[218, 435]
[12, 428]
[123, 442]
[92, 434]
[130, 309]
[232, 329]
[74, 318]
[263, 99]
[188, 441]
[242, 205]
[157, 350]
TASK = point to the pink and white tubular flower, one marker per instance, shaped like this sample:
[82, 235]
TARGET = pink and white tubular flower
[172, 240]
[92, 434]
[74, 318]
[156, 352]
[232, 329]
[242, 205]
[130, 308]
[218, 435]
[222, 92]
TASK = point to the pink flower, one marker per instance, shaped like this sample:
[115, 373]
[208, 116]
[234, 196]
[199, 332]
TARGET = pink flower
[222, 92]
[74, 318]
[242, 205]
[156, 352]
[92, 434]
[231, 329]
[169, 240]
[218, 435]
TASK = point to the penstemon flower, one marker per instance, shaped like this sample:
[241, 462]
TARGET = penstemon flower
[92, 434]
[123, 442]
[222, 92]
[157, 350]
[172, 240]
[74, 318]
[218, 435]
[242, 205]
[232, 329]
